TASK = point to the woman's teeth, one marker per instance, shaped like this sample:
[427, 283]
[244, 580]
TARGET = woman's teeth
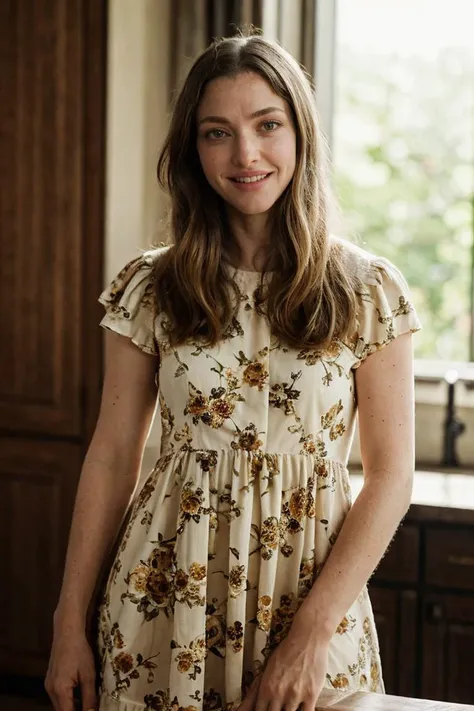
[253, 179]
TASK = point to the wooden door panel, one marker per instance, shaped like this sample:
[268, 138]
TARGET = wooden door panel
[448, 641]
[395, 613]
[37, 487]
[41, 217]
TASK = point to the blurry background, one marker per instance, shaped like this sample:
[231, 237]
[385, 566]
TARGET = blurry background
[86, 92]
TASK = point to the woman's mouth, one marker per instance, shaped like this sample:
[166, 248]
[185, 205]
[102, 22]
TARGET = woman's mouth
[250, 182]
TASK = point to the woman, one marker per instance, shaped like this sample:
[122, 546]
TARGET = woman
[240, 574]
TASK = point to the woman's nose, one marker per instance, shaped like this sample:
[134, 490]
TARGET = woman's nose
[245, 152]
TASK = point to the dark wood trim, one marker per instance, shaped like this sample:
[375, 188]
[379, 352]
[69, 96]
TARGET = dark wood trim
[95, 92]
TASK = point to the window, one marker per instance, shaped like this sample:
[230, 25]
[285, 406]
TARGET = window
[403, 152]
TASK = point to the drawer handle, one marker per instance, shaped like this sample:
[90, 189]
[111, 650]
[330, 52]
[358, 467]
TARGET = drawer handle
[464, 560]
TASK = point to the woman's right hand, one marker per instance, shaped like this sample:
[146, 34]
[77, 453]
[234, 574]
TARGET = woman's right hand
[71, 665]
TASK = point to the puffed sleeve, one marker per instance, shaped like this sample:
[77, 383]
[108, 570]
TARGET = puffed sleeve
[130, 304]
[386, 310]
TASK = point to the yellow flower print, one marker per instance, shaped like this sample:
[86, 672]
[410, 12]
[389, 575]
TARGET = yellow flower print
[374, 676]
[340, 681]
[197, 571]
[220, 410]
[328, 419]
[337, 430]
[297, 504]
[264, 613]
[346, 624]
[138, 578]
[264, 619]
[333, 349]
[190, 501]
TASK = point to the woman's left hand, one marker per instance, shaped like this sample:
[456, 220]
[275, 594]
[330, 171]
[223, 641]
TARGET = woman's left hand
[294, 676]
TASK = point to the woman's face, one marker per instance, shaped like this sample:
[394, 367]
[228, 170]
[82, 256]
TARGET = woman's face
[246, 142]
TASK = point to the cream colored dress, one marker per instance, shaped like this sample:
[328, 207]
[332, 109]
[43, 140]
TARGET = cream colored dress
[250, 489]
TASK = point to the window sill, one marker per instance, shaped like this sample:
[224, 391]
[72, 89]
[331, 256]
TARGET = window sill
[431, 386]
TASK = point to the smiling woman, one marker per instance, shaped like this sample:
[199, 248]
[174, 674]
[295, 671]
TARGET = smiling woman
[239, 579]
[246, 144]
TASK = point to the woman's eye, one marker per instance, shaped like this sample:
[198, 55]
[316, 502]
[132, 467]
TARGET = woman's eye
[216, 133]
[270, 125]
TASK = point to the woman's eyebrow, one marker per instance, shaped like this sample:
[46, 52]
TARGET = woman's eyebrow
[256, 114]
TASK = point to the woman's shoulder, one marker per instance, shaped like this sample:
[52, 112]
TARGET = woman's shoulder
[369, 268]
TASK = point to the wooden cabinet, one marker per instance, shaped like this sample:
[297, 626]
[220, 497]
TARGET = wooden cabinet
[448, 647]
[423, 600]
[51, 217]
[395, 614]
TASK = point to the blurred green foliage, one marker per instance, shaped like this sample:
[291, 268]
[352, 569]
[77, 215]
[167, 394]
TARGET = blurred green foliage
[403, 161]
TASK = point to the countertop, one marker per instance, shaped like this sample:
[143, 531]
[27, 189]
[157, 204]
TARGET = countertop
[362, 701]
[437, 496]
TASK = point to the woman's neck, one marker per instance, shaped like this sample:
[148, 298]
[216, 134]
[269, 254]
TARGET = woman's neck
[251, 241]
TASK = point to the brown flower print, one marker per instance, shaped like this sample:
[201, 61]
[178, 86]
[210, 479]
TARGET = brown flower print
[158, 586]
[215, 631]
[255, 375]
[197, 406]
[207, 459]
[283, 395]
[157, 702]
[247, 439]
[167, 418]
[235, 633]
[237, 580]
[123, 662]
[212, 701]
[184, 661]
[181, 580]
[162, 559]
[117, 637]
[269, 536]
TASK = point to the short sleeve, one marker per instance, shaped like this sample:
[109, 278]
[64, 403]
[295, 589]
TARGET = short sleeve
[386, 310]
[130, 304]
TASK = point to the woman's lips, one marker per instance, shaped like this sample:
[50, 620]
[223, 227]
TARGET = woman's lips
[252, 185]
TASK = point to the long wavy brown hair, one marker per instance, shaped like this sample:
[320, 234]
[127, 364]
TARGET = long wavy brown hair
[314, 297]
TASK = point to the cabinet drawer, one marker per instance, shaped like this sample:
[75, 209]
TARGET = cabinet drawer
[400, 563]
[450, 558]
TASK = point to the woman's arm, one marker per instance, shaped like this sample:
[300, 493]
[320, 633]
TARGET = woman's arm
[109, 474]
[385, 393]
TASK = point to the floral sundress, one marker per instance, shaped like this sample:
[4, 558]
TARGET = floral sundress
[227, 534]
